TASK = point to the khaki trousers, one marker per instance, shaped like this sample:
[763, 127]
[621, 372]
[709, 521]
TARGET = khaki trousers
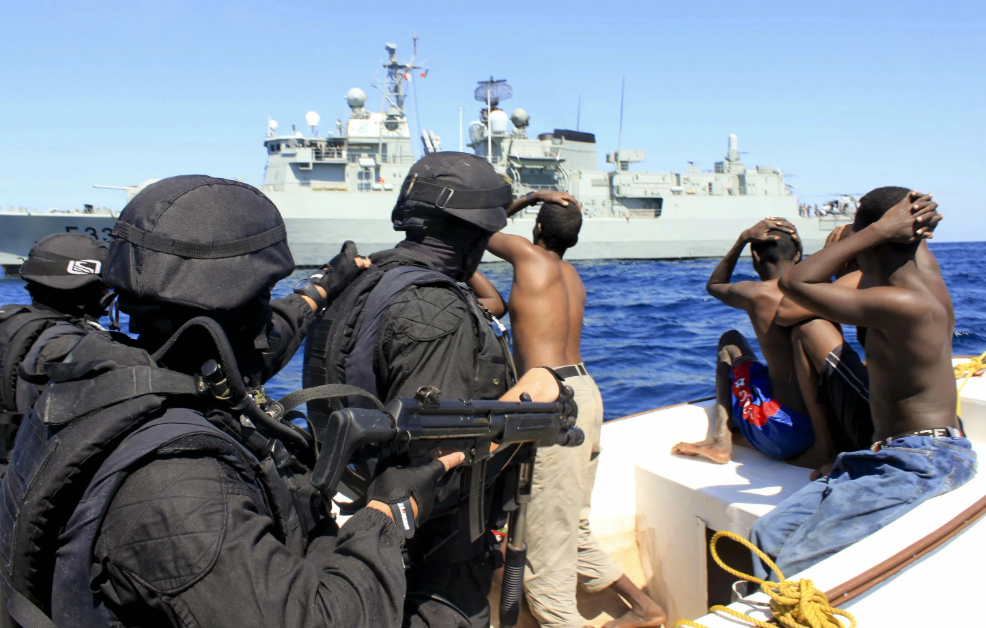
[562, 552]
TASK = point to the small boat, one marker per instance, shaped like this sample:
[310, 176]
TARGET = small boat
[655, 513]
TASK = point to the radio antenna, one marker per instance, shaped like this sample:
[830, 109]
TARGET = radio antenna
[578, 114]
[619, 140]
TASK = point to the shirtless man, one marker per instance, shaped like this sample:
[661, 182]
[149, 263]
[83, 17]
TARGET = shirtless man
[767, 405]
[547, 302]
[832, 371]
[919, 451]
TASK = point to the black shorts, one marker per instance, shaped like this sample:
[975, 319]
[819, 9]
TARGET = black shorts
[844, 393]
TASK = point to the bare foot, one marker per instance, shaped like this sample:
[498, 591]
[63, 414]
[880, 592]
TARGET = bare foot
[709, 448]
[632, 619]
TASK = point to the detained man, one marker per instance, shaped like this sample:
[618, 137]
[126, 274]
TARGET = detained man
[771, 406]
[919, 450]
[547, 304]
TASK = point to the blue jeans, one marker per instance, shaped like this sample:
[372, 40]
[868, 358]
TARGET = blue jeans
[864, 492]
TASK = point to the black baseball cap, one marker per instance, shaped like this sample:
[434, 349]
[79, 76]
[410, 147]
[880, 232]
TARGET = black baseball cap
[65, 261]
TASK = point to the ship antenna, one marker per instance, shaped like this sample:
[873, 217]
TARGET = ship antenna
[491, 92]
[414, 85]
[578, 114]
[619, 140]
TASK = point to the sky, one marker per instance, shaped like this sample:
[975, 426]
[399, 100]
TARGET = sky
[841, 96]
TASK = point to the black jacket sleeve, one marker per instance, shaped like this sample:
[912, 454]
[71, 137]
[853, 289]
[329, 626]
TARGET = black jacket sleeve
[184, 544]
[428, 338]
[290, 318]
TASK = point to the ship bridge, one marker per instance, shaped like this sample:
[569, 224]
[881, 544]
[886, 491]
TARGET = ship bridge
[370, 152]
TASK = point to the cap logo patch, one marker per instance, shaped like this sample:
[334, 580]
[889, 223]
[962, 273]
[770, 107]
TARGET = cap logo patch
[84, 267]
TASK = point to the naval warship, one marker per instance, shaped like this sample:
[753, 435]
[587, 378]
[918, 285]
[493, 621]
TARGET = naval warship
[342, 186]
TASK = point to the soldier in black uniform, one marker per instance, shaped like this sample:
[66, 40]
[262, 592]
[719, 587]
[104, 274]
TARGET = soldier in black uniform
[149, 489]
[62, 275]
[409, 322]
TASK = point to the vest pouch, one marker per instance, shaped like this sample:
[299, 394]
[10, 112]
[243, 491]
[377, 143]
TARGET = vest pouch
[491, 375]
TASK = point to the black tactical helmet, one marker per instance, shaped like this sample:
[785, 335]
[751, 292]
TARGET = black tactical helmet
[200, 242]
[452, 184]
[65, 261]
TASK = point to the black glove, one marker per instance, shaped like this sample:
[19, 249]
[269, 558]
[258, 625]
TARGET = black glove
[397, 485]
[339, 272]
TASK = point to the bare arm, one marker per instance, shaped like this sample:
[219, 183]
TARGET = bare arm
[487, 294]
[510, 248]
[807, 283]
[740, 295]
[541, 196]
[790, 313]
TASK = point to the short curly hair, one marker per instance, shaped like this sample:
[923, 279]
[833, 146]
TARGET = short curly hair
[875, 203]
[560, 225]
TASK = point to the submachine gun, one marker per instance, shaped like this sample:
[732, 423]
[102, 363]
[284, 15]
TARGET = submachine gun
[416, 430]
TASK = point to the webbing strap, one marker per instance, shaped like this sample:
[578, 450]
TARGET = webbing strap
[25, 612]
[197, 250]
[74, 399]
[326, 391]
[452, 196]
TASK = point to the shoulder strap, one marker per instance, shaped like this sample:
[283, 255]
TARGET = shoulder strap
[25, 612]
[360, 362]
[20, 328]
[71, 400]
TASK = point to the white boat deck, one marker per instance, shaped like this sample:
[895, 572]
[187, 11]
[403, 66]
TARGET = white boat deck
[663, 506]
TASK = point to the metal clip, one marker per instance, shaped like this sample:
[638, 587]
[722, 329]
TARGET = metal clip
[438, 201]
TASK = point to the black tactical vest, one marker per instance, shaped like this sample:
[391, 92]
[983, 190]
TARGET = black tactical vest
[21, 329]
[107, 410]
[341, 347]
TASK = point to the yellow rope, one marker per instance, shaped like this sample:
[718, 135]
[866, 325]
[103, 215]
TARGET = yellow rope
[968, 369]
[794, 604]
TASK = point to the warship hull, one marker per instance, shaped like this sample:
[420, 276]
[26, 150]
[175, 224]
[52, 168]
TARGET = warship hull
[689, 227]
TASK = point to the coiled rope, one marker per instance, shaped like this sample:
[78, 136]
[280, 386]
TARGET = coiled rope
[794, 604]
[967, 369]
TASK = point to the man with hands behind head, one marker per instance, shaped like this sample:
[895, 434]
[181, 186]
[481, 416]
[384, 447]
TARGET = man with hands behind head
[766, 405]
[547, 304]
[920, 451]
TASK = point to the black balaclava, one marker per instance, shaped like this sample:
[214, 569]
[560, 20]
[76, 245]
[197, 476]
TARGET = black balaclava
[454, 247]
[248, 329]
[77, 303]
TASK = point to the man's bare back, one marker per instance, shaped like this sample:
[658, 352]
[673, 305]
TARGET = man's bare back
[547, 303]
[790, 388]
[906, 309]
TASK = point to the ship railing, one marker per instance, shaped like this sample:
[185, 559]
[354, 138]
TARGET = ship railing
[329, 153]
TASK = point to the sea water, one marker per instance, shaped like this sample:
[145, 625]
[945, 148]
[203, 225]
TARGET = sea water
[651, 330]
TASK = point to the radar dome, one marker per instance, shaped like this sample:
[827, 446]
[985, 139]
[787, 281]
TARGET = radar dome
[498, 122]
[272, 125]
[393, 119]
[520, 118]
[356, 98]
[312, 118]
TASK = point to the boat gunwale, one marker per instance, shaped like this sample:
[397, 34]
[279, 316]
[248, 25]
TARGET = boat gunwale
[674, 405]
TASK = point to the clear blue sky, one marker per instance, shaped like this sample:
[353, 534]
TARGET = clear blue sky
[845, 96]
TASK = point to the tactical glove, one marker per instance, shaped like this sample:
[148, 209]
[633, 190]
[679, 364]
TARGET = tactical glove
[339, 272]
[397, 485]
